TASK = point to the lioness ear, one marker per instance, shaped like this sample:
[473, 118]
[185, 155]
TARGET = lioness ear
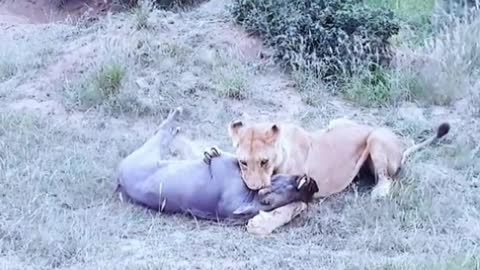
[272, 134]
[233, 130]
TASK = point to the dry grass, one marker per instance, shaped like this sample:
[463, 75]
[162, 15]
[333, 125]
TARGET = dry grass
[436, 61]
[445, 68]
[30, 53]
[56, 170]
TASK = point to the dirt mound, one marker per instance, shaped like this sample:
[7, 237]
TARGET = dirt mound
[44, 11]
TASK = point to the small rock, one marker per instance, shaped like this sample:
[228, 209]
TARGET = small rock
[437, 111]
[141, 82]
[411, 112]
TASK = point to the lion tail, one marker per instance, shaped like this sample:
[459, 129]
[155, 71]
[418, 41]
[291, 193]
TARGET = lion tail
[442, 130]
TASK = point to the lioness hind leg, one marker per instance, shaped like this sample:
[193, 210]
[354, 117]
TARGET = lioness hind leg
[383, 182]
[379, 165]
[386, 154]
[382, 188]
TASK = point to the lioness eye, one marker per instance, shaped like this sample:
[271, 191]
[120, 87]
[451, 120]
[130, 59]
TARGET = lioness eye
[243, 163]
[264, 162]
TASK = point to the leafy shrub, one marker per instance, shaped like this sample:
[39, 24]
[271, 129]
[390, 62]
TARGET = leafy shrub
[332, 38]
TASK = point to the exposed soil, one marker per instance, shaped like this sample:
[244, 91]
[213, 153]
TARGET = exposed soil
[43, 11]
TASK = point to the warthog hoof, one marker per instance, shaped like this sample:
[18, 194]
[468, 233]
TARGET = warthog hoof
[209, 154]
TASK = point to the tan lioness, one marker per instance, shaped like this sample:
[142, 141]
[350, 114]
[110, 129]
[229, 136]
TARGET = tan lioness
[332, 156]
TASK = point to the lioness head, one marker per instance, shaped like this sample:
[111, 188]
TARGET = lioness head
[257, 150]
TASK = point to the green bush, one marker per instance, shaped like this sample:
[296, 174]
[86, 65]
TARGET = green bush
[332, 38]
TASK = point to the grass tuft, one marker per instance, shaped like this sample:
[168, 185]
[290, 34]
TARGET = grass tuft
[142, 13]
[109, 79]
[101, 86]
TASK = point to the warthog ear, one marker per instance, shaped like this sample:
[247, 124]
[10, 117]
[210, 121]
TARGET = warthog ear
[246, 209]
[233, 130]
[313, 187]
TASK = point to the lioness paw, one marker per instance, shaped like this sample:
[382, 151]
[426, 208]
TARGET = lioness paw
[259, 225]
[381, 190]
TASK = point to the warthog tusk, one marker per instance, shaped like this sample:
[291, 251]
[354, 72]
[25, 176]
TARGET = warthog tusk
[303, 181]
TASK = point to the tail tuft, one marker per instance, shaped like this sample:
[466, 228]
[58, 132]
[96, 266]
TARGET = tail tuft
[442, 130]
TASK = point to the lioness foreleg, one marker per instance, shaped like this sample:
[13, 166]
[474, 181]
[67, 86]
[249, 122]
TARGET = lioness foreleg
[266, 222]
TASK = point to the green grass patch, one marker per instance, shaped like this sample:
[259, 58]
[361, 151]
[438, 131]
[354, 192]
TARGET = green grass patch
[415, 17]
[101, 86]
[453, 263]
[412, 11]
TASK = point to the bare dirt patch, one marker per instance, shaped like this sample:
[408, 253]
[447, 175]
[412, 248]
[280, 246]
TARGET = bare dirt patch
[44, 11]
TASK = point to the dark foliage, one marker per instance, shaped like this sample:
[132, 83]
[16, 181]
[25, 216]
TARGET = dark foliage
[328, 37]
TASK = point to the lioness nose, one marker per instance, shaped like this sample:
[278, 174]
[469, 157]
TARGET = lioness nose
[267, 183]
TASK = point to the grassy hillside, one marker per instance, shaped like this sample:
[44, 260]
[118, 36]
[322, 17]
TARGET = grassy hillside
[76, 97]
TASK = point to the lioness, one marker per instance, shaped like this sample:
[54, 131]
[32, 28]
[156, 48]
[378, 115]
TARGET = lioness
[332, 156]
